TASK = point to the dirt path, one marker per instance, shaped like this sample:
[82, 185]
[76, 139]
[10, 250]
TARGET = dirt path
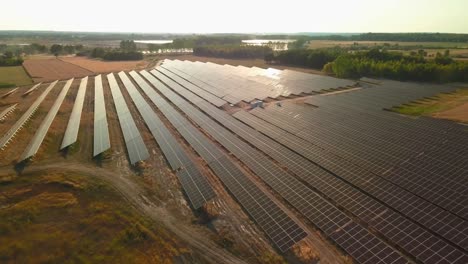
[212, 252]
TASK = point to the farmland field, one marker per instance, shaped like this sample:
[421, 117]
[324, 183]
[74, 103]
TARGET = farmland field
[99, 66]
[314, 44]
[14, 75]
[457, 50]
[42, 70]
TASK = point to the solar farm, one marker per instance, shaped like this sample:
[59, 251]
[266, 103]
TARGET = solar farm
[304, 156]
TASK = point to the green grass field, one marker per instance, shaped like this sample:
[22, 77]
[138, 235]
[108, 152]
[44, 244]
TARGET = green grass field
[15, 75]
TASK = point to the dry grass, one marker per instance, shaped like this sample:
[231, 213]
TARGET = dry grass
[67, 218]
[46, 200]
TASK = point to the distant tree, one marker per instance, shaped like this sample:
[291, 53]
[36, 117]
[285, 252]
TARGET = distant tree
[69, 49]
[35, 47]
[56, 49]
[447, 53]
[98, 53]
[152, 47]
[299, 43]
[8, 54]
[443, 59]
[128, 45]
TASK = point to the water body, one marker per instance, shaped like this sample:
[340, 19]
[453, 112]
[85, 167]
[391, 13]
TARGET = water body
[274, 44]
[266, 41]
[155, 41]
[169, 51]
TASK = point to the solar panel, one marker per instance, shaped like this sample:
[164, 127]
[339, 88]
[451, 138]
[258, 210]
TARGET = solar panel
[195, 185]
[101, 130]
[25, 117]
[136, 147]
[71, 133]
[41, 132]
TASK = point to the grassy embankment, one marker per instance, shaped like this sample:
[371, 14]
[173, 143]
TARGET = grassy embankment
[68, 218]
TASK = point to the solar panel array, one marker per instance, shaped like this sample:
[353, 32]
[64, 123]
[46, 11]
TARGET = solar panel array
[317, 209]
[25, 117]
[73, 126]
[348, 121]
[235, 84]
[194, 183]
[7, 111]
[136, 147]
[424, 156]
[41, 132]
[101, 129]
[398, 227]
[279, 227]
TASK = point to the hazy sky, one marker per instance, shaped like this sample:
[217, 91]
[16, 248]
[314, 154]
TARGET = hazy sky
[206, 16]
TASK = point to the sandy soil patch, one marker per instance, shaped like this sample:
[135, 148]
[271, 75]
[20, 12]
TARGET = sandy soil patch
[459, 113]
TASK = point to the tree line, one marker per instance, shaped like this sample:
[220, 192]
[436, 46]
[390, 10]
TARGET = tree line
[9, 59]
[304, 57]
[127, 51]
[347, 63]
[385, 64]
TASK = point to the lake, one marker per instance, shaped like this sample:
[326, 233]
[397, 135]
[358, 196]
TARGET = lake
[155, 41]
